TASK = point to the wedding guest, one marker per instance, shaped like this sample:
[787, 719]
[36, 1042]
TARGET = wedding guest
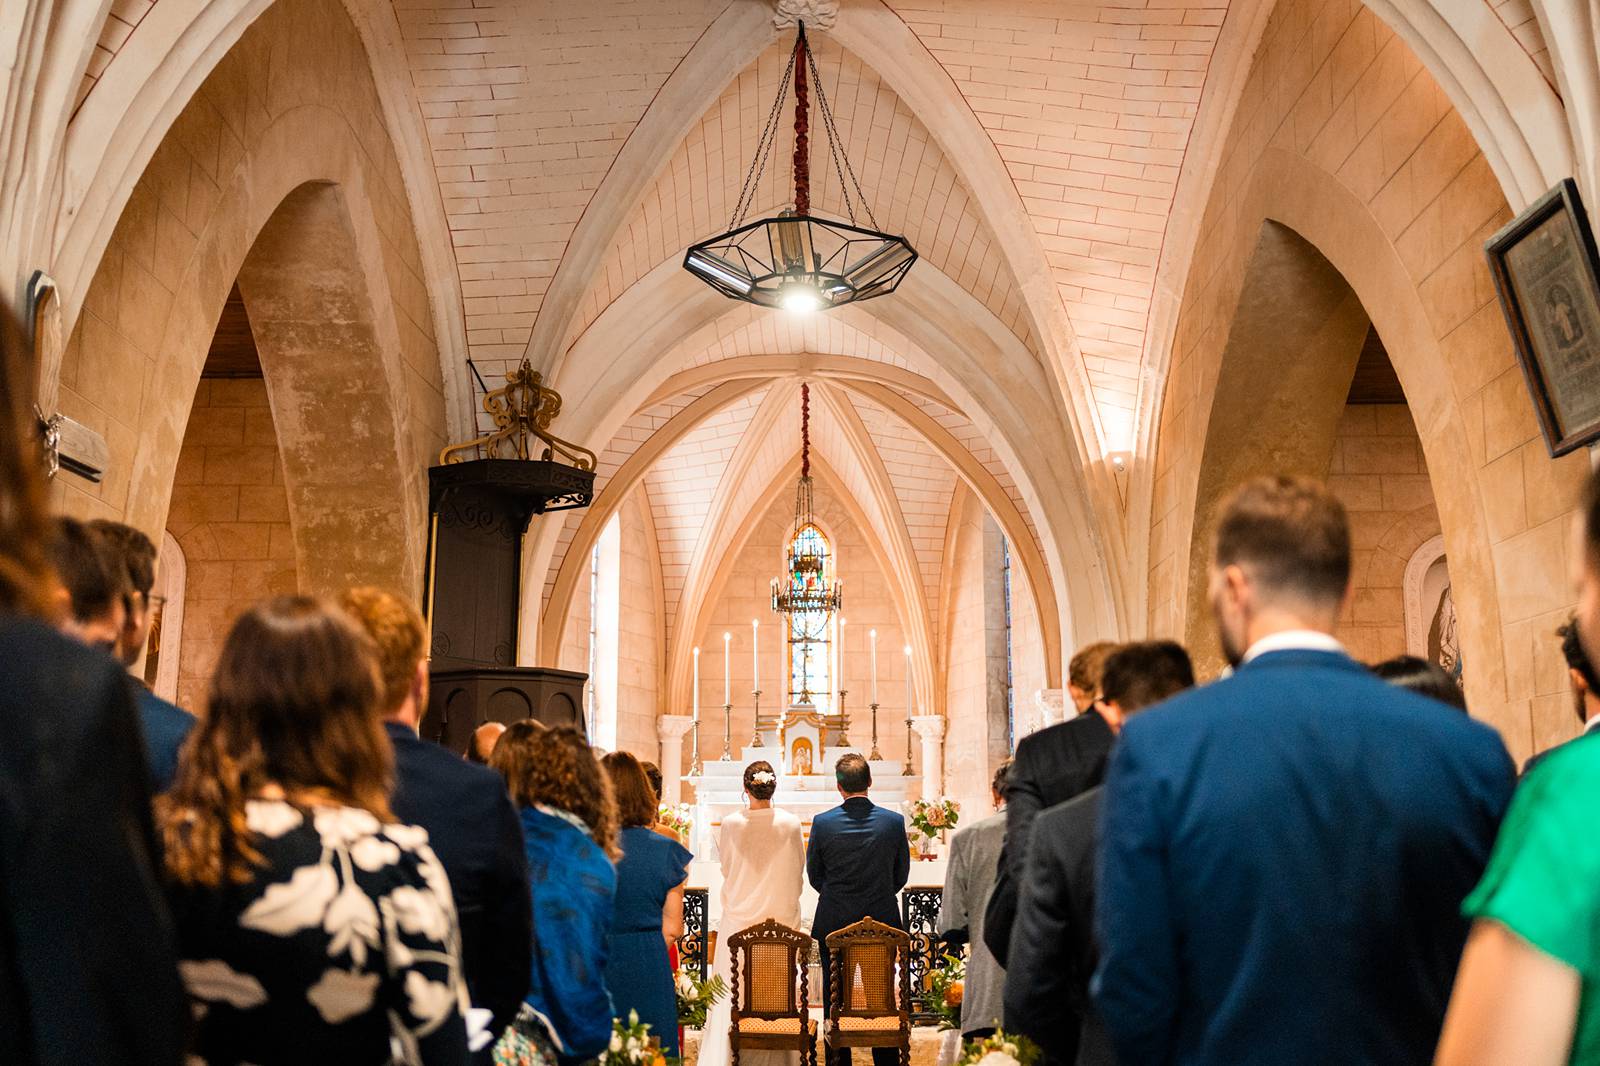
[762, 852]
[91, 585]
[481, 747]
[307, 917]
[1051, 766]
[1529, 987]
[1083, 673]
[569, 823]
[968, 880]
[1424, 678]
[88, 963]
[858, 861]
[1585, 687]
[166, 725]
[1052, 945]
[471, 824]
[1284, 852]
[648, 914]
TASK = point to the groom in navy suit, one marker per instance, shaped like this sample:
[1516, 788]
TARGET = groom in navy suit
[858, 861]
[1285, 853]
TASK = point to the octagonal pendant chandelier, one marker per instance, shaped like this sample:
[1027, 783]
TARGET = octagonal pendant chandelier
[795, 260]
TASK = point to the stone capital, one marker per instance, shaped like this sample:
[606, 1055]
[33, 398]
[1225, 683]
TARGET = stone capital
[1052, 706]
[673, 726]
[929, 726]
[818, 14]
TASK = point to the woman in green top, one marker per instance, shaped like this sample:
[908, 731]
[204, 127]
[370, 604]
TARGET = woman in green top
[1528, 990]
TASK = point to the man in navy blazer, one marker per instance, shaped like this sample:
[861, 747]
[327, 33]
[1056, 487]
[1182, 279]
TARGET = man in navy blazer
[1285, 852]
[858, 861]
[471, 823]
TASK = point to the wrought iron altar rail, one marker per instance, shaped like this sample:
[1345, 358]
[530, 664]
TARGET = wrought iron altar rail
[920, 910]
[694, 944]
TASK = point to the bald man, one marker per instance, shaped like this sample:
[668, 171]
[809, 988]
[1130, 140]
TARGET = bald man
[484, 738]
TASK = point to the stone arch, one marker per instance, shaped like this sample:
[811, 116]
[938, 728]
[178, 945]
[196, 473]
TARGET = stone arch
[1288, 190]
[728, 380]
[304, 284]
[136, 102]
[1008, 394]
[295, 225]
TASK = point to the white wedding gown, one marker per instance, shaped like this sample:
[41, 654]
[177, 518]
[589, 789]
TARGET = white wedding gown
[763, 861]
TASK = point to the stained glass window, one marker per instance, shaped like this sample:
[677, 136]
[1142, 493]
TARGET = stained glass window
[811, 632]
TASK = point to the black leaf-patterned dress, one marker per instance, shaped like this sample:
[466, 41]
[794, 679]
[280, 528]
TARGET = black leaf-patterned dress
[342, 949]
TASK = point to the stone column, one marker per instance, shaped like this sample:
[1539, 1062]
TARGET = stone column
[671, 728]
[930, 727]
[1053, 706]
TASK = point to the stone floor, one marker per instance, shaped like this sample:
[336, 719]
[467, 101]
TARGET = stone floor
[924, 1047]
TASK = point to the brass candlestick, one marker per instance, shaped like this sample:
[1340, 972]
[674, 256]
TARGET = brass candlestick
[696, 767]
[727, 732]
[844, 721]
[875, 756]
[755, 730]
[907, 771]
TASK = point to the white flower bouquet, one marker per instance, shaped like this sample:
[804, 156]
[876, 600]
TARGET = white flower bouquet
[675, 817]
[631, 1044]
[1000, 1049]
[696, 997]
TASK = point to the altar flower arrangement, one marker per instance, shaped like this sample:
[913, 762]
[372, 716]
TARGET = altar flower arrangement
[674, 818]
[932, 817]
[1000, 1049]
[948, 982]
[631, 1044]
[696, 997]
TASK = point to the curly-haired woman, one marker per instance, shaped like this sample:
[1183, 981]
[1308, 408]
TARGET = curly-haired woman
[763, 857]
[311, 927]
[569, 824]
[649, 911]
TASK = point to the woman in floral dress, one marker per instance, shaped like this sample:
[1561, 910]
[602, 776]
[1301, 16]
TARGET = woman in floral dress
[310, 926]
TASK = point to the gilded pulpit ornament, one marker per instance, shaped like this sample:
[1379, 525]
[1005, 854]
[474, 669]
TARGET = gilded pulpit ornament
[522, 411]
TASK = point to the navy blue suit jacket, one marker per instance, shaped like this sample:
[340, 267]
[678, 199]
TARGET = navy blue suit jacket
[166, 726]
[858, 861]
[477, 834]
[1284, 856]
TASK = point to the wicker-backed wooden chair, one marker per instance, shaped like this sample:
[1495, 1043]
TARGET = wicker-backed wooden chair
[869, 988]
[771, 995]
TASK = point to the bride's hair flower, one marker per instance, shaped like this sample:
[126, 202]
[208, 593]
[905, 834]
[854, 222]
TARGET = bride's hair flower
[763, 777]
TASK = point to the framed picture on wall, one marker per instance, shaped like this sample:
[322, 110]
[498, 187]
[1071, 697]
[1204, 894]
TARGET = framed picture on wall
[1547, 275]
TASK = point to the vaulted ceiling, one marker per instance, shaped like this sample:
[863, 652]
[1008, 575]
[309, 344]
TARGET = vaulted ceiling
[1047, 158]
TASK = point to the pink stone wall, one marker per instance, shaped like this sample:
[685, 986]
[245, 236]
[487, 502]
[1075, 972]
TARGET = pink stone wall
[230, 515]
[1343, 136]
[1378, 471]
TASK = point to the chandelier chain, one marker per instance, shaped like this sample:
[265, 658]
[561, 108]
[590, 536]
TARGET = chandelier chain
[764, 146]
[841, 160]
[805, 430]
[802, 159]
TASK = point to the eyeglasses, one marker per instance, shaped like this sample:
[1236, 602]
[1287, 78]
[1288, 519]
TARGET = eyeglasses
[155, 602]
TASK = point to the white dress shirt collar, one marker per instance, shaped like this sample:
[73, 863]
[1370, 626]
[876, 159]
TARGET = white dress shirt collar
[1592, 724]
[1294, 640]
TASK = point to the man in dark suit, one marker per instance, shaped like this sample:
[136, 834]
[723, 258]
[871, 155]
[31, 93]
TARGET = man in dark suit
[166, 725]
[1585, 687]
[1051, 767]
[1052, 943]
[1285, 852]
[858, 861]
[471, 823]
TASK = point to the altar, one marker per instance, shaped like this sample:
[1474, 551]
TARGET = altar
[802, 745]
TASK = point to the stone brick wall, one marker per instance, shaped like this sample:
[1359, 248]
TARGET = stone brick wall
[1342, 136]
[1379, 473]
[292, 102]
[230, 515]
[869, 604]
[640, 633]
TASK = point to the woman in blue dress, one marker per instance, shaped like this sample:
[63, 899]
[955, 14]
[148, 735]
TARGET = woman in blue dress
[569, 825]
[649, 906]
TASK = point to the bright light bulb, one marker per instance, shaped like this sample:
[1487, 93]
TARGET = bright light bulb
[799, 297]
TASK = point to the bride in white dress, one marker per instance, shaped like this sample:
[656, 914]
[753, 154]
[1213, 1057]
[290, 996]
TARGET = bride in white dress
[763, 857]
